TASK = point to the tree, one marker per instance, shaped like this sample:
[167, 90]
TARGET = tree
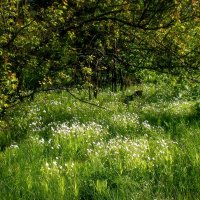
[63, 44]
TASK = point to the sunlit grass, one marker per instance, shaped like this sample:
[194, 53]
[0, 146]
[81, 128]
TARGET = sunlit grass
[148, 149]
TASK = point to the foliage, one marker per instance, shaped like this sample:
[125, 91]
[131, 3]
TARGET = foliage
[50, 45]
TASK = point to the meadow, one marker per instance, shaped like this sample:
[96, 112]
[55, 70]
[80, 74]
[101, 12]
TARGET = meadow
[58, 147]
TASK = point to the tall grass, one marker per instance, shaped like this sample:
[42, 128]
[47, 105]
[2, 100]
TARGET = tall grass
[60, 148]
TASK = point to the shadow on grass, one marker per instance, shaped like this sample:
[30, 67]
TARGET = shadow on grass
[173, 123]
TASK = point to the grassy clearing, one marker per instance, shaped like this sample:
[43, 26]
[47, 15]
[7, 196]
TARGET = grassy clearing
[149, 149]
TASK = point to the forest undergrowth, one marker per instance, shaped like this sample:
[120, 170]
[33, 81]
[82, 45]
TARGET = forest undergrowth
[58, 147]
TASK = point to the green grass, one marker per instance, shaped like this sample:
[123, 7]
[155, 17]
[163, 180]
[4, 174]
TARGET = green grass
[60, 148]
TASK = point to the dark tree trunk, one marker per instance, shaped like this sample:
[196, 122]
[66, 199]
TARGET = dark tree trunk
[114, 80]
[121, 79]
